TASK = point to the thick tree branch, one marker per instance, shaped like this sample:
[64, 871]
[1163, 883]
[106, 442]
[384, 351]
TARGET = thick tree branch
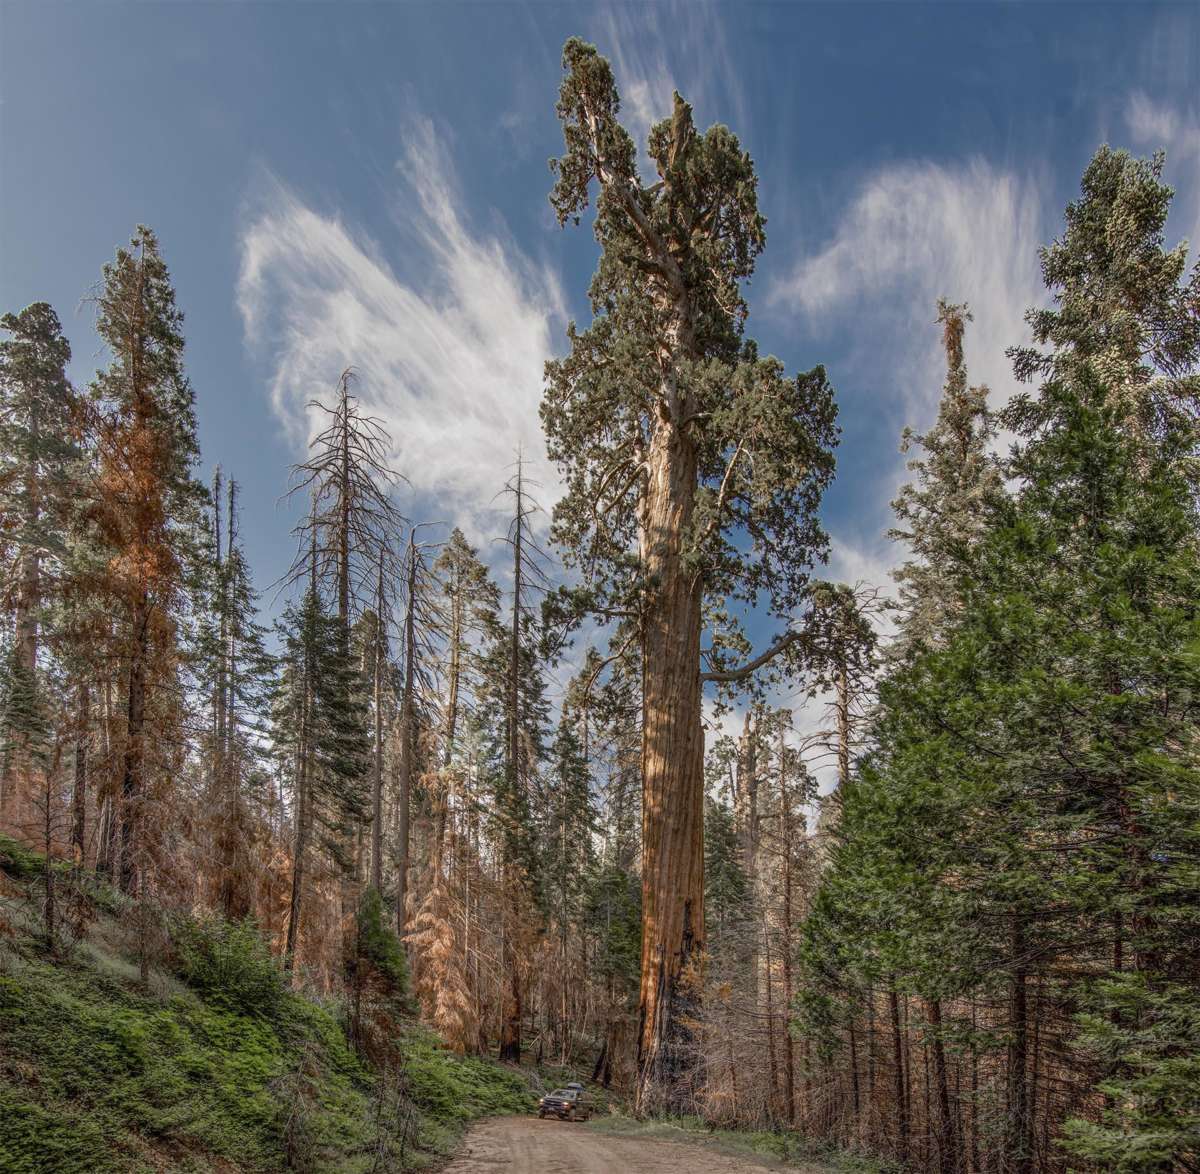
[726, 676]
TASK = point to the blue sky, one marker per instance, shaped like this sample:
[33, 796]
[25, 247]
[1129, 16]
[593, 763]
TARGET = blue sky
[338, 183]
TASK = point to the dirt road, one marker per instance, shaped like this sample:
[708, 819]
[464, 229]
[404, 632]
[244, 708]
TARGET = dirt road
[525, 1145]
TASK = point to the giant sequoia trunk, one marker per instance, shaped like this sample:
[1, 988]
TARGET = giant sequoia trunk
[672, 782]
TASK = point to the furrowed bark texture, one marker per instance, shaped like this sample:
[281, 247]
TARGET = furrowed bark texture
[672, 784]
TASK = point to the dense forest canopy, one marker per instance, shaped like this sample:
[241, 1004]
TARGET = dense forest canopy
[979, 952]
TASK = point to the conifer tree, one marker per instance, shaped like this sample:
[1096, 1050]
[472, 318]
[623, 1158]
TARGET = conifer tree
[567, 859]
[237, 673]
[37, 423]
[348, 540]
[515, 705]
[421, 626]
[673, 434]
[1021, 843]
[943, 511]
[144, 508]
[469, 602]
[321, 727]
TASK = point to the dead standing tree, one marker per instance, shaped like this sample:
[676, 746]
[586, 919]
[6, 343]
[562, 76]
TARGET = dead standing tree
[421, 628]
[348, 543]
[522, 752]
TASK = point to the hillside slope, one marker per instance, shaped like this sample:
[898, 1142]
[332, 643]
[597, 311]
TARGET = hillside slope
[228, 1072]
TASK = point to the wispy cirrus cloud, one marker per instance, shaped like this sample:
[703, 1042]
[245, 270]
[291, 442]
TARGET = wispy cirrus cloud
[658, 48]
[1176, 130]
[449, 347]
[912, 233]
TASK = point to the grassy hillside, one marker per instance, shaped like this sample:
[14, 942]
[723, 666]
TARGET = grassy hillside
[213, 1064]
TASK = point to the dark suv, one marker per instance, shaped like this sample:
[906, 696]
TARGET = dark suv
[567, 1104]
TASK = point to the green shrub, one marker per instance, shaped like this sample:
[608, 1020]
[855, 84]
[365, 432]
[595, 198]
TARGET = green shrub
[460, 1088]
[229, 964]
[1148, 1039]
[99, 1074]
[19, 862]
[379, 946]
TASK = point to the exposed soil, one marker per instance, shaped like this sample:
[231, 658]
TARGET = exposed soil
[525, 1145]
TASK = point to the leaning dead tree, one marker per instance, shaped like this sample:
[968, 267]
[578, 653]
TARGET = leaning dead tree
[693, 467]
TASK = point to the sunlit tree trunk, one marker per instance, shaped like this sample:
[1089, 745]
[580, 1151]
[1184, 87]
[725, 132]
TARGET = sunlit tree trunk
[672, 782]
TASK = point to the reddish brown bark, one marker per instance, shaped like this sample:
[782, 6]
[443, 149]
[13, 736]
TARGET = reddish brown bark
[672, 782]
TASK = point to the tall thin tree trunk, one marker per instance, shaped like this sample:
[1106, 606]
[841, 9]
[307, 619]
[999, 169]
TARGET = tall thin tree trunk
[772, 1054]
[302, 820]
[869, 1113]
[83, 734]
[377, 758]
[975, 1163]
[510, 1026]
[407, 741]
[303, 797]
[347, 881]
[453, 685]
[785, 819]
[1018, 1145]
[134, 759]
[901, 1083]
[949, 1161]
[843, 726]
[106, 850]
[855, 1091]
[222, 603]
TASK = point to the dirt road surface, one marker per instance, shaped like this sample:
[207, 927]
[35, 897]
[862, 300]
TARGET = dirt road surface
[525, 1145]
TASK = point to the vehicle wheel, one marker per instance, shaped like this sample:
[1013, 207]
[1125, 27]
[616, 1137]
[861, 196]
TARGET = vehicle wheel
[541, 1114]
[570, 1114]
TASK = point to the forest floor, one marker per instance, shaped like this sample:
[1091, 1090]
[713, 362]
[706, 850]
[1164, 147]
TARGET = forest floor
[526, 1145]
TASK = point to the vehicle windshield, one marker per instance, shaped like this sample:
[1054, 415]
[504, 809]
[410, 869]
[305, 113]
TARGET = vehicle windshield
[565, 1093]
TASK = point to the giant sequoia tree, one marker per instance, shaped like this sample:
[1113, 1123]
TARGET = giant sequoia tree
[693, 471]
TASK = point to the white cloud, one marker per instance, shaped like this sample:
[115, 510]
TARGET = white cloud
[912, 233]
[450, 360]
[1153, 125]
[658, 48]
[863, 562]
[1150, 122]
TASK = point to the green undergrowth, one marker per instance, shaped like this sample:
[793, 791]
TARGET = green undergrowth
[788, 1150]
[547, 1077]
[214, 1065]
